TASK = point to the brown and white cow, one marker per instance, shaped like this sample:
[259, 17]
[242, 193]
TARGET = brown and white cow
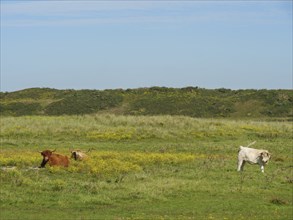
[252, 156]
[78, 155]
[54, 159]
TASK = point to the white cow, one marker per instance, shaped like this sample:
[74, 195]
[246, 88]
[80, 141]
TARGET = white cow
[252, 156]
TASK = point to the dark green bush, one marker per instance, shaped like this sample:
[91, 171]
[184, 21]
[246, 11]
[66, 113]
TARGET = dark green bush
[84, 102]
[19, 109]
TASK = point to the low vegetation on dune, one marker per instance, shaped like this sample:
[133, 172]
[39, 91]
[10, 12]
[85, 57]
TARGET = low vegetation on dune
[189, 101]
[143, 167]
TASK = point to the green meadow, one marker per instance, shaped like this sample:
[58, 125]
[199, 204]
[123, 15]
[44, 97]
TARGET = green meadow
[144, 167]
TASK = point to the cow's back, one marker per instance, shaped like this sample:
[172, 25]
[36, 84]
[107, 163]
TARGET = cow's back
[59, 160]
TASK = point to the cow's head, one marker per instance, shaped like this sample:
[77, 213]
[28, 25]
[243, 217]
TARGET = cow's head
[78, 154]
[74, 154]
[46, 156]
[265, 156]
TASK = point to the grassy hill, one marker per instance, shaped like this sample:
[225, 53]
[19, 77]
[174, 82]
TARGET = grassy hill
[189, 101]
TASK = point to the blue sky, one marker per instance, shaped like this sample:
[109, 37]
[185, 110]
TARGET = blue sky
[131, 44]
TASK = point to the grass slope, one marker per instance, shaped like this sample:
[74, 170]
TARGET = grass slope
[189, 101]
[144, 167]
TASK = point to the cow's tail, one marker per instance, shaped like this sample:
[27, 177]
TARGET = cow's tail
[251, 144]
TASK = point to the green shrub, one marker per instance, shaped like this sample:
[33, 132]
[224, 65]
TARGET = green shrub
[19, 108]
[83, 102]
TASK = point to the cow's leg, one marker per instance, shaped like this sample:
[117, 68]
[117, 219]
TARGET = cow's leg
[240, 165]
[262, 168]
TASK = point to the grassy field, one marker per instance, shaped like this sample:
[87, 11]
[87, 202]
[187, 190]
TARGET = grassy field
[144, 167]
